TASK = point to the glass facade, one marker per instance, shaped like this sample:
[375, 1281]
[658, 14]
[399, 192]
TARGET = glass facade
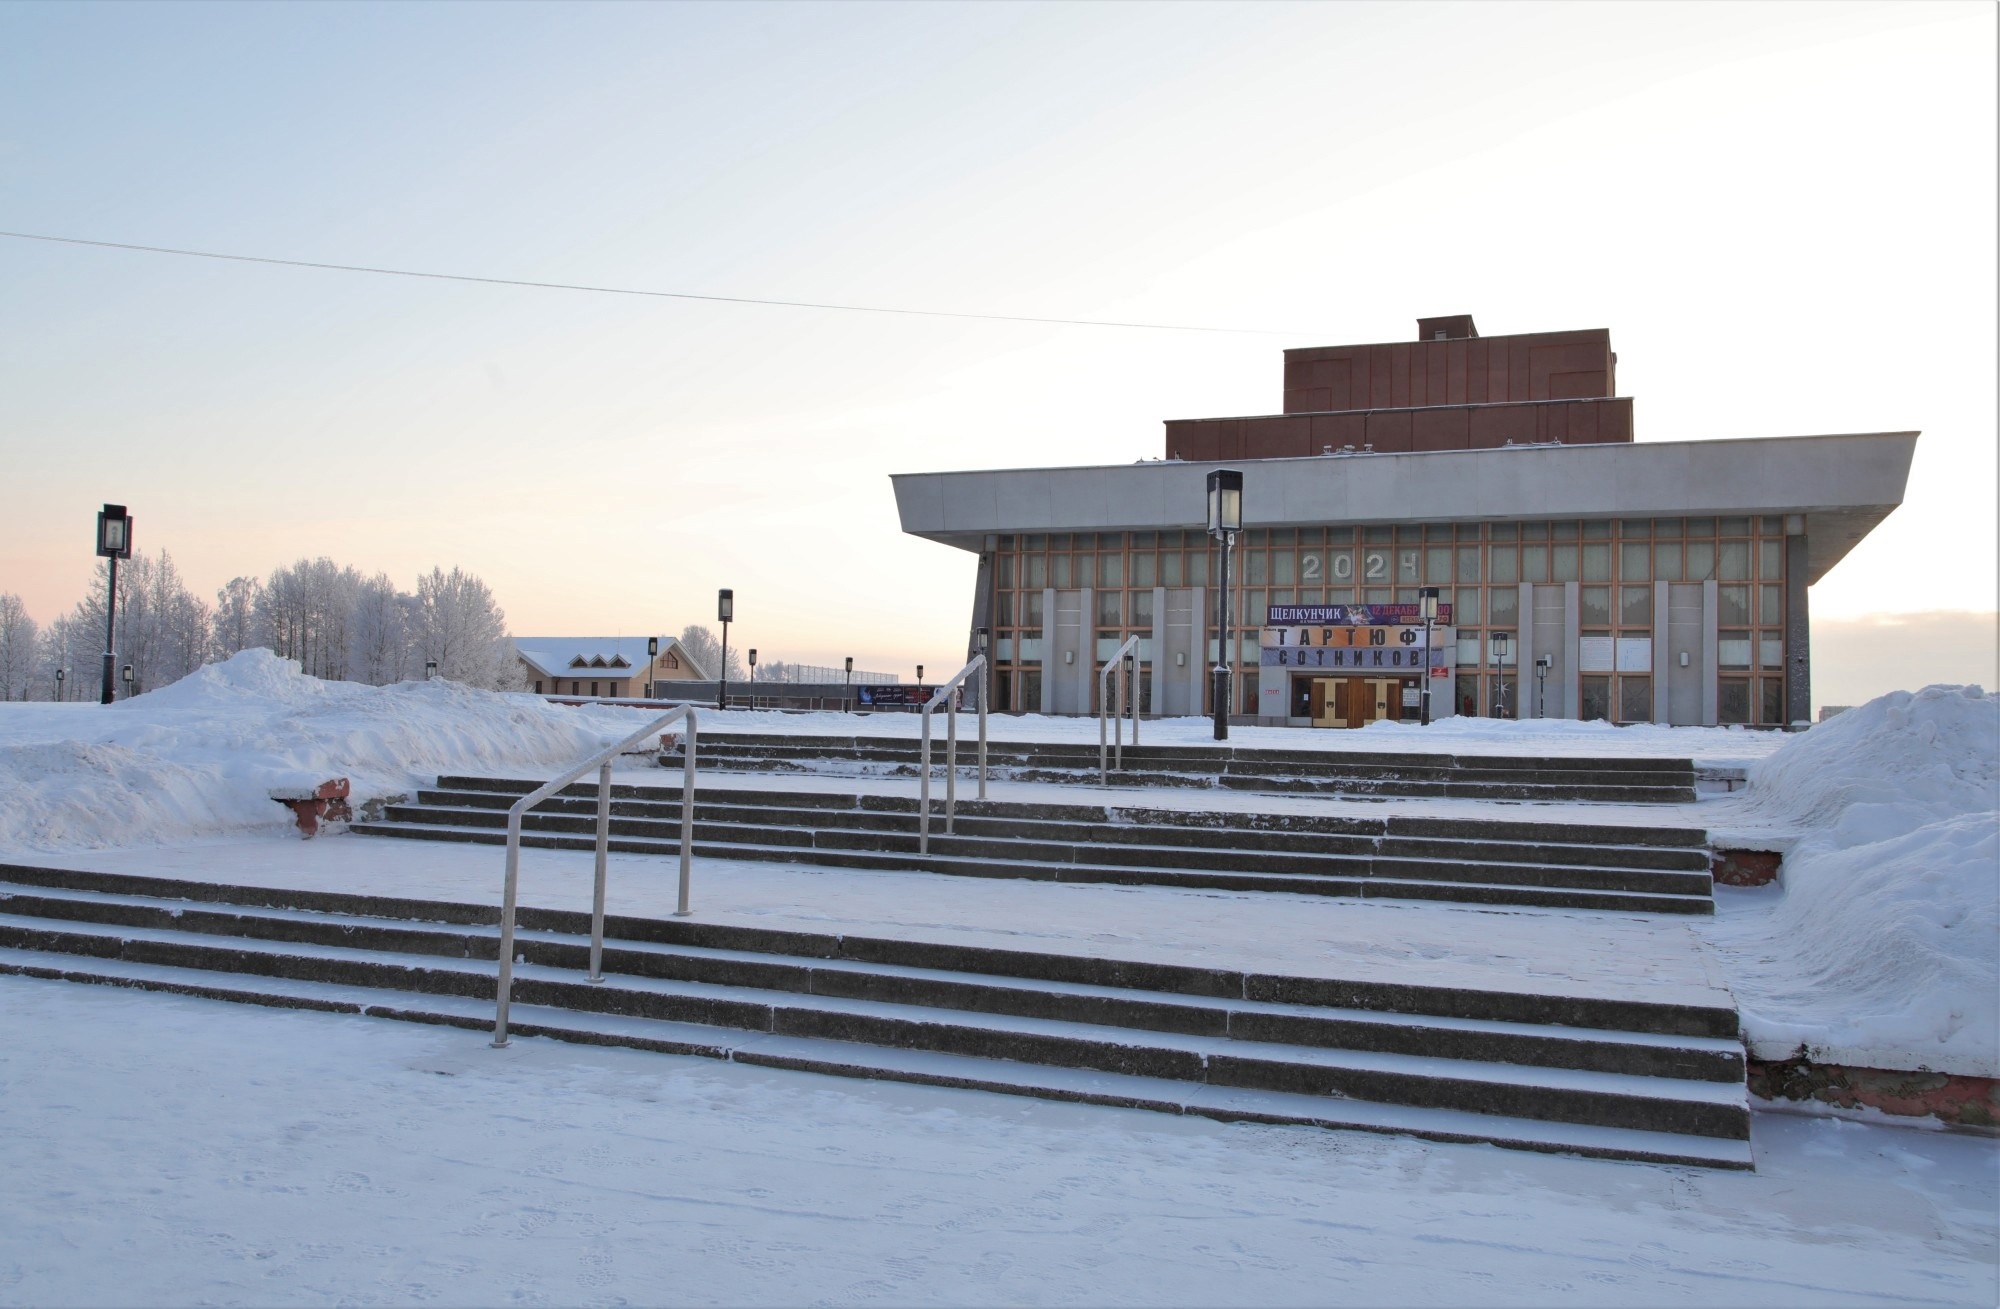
[1478, 568]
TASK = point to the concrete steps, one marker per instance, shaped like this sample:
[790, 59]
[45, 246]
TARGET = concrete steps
[1321, 772]
[1557, 865]
[1652, 1080]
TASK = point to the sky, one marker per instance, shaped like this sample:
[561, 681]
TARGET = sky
[1785, 215]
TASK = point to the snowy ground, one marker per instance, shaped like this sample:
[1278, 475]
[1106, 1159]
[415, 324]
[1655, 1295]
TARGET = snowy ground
[165, 1150]
[162, 1150]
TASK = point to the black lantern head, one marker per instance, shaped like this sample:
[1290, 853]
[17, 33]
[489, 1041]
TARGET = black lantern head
[1225, 502]
[725, 606]
[984, 637]
[114, 533]
[652, 647]
[1427, 603]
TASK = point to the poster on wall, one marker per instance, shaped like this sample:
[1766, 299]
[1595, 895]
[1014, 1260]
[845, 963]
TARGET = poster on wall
[1350, 615]
[1594, 654]
[1635, 654]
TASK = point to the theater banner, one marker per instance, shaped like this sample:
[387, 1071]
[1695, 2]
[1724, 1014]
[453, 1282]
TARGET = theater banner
[1350, 615]
[1387, 648]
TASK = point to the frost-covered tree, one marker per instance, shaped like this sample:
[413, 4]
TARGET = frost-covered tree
[306, 612]
[75, 648]
[235, 623]
[380, 636]
[459, 626]
[18, 634]
[162, 630]
[702, 643]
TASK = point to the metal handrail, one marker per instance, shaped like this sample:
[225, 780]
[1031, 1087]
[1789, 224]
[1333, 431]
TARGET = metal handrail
[602, 762]
[1116, 661]
[944, 696]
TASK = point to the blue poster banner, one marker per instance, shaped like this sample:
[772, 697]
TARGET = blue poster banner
[1349, 615]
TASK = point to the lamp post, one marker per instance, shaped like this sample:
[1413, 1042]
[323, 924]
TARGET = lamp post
[114, 542]
[1541, 684]
[847, 694]
[126, 674]
[1225, 520]
[60, 674]
[753, 677]
[1499, 674]
[1427, 605]
[652, 654]
[920, 677]
[725, 609]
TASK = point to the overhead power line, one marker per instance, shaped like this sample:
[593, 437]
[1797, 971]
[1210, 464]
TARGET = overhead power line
[658, 295]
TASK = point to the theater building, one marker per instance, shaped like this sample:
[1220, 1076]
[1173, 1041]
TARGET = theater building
[1581, 573]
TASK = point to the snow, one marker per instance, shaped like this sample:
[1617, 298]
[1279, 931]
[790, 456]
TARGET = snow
[1883, 947]
[183, 1151]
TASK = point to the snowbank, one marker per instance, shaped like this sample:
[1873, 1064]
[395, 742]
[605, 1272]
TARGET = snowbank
[199, 758]
[1883, 948]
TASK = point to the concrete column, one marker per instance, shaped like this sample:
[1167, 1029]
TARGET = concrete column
[1197, 669]
[1159, 648]
[1572, 690]
[1798, 628]
[1049, 666]
[1661, 656]
[1525, 686]
[1711, 692]
[1086, 651]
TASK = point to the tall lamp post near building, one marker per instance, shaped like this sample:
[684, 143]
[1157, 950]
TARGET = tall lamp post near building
[1427, 605]
[1499, 674]
[114, 542]
[725, 609]
[753, 677]
[1542, 663]
[986, 668]
[1225, 520]
[847, 695]
[652, 655]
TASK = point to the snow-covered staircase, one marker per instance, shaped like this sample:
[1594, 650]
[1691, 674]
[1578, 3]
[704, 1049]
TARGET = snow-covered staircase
[1238, 768]
[1658, 1080]
[1651, 869]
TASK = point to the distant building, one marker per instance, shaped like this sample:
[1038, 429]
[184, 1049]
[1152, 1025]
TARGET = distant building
[604, 666]
[1581, 574]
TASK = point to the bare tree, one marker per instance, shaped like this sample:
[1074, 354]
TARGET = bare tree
[17, 649]
[75, 648]
[381, 634]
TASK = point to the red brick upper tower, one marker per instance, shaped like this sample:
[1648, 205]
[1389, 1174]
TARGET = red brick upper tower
[1451, 389]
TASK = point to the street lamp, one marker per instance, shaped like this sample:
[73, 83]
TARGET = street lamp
[986, 665]
[725, 609]
[753, 677]
[652, 654]
[1499, 640]
[60, 674]
[847, 695]
[920, 677]
[126, 673]
[1427, 605]
[430, 670]
[1542, 663]
[114, 542]
[1225, 520]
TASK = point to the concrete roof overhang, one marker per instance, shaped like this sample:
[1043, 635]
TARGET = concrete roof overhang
[1844, 485]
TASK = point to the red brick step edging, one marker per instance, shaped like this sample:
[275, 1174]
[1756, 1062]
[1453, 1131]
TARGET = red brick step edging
[1962, 1100]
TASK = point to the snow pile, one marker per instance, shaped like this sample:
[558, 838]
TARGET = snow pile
[1883, 949]
[200, 757]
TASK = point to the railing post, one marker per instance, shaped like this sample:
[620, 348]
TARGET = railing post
[985, 689]
[950, 763]
[687, 815]
[924, 785]
[1118, 731]
[507, 899]
[597, 891]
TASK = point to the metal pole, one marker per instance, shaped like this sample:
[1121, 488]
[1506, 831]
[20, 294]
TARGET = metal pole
[597, 893]
[985, 687]
[722, 696]
[1135, 696]
[924, 785]
[951, 759]
[1118, 730]
[507, 930]
[110, 622]
[687, 816]
[1426, 717]
[1222, 661]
